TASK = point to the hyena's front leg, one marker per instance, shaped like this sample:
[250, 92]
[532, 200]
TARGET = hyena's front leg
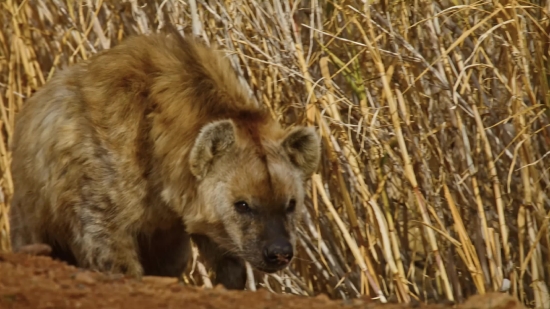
[108, 250]
[230, 270]
[165, 252]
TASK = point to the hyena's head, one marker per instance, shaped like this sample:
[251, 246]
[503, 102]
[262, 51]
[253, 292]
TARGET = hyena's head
[255, 186]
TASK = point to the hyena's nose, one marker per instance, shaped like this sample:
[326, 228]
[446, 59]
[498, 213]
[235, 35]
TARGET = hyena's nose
[278, 253]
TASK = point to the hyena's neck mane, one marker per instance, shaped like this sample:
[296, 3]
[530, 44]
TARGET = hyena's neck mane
[193, 86]
[164, 89]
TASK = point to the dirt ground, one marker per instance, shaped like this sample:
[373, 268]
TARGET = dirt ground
[28, 281]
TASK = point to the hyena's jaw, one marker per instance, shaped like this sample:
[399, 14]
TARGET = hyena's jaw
[259, 263]
[269, 269]
[273, 270]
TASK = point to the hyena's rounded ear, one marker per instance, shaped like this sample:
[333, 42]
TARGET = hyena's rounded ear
[213, 139]
[303, 146]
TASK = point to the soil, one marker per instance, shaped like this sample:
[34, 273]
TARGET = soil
[28, 280]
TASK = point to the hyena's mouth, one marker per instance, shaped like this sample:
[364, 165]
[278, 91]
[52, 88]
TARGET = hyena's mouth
[271, 269]
[271, 266]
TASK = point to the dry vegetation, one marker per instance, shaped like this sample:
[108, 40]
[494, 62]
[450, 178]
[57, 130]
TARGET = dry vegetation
[434, 182]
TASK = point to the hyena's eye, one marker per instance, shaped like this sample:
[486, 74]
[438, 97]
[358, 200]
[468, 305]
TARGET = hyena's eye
[291, 206]
[242, 207]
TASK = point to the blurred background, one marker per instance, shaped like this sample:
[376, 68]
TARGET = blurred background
[434, 116]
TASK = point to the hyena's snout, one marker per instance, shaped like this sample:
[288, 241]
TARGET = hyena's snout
[278, 253]
[277, 245]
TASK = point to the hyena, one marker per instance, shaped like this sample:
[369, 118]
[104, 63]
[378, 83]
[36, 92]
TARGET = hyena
[120, 160]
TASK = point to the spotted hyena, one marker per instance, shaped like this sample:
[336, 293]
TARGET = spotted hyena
[120, 160]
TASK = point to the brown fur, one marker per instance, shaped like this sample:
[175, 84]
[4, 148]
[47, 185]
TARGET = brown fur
[120, 159]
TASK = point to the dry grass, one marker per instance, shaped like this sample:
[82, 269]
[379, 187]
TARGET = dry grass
[434, 182]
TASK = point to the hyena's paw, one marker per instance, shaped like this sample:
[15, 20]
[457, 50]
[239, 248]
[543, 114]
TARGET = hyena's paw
[126, 267]
[117, 256]
[130, 269]
[126, 262]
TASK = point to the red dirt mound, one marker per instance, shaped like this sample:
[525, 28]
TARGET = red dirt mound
[28, 281]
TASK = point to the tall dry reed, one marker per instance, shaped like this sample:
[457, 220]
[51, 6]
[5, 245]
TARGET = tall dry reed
[434, 181]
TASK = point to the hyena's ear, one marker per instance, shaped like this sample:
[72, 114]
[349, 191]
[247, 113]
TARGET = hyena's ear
[303, 146]
[213, 140]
